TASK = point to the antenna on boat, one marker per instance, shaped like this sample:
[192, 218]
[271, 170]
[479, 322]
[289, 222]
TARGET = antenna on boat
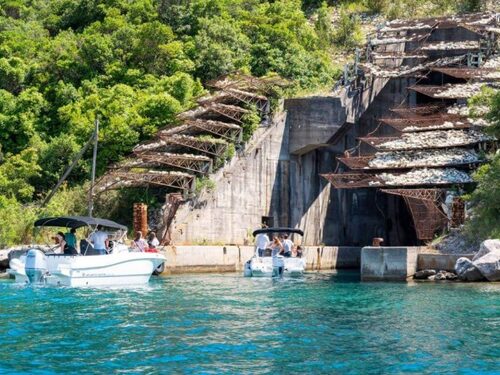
[94, 161]
[92, 139]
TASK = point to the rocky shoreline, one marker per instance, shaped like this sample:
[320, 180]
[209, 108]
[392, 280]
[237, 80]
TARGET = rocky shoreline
[484, 266]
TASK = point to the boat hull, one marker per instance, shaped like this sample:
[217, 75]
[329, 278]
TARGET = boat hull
[124, 268]
[274, 267]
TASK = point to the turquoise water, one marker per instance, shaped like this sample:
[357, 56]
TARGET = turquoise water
[322, 323]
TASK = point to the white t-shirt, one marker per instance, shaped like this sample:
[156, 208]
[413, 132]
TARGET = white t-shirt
[261, 241]
[99, 240]
[155, 242]
[288, 245]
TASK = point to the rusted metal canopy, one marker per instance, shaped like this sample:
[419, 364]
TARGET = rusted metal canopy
[490, 74]
[221, 129]
[427, 140]
[432, 122]
[450, 91]
[394, 160]
[422, 110]
[120, 179]
[424, 206]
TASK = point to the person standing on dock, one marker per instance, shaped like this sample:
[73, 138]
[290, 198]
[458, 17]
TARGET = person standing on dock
[261, 242]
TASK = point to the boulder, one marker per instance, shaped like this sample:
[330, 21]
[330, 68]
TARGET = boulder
[488, 246]
[445, 275]
[467, 271]
[489, 266]
[440, 276]
[424, 274]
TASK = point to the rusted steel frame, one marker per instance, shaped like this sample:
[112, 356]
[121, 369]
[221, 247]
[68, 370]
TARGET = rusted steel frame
[356, 162]
[433, 195]
[248, 98]
[212, 148]
[377, 141]
[427, 217]
[431, 119]
[229, 111]
[362, 163]
[467, 73]
[353, 180]
[427, 90]
[222, 129]
[418, 111]
[424, 208]
[182, 182]
[418, 124]
[243, 81]
[196, 164]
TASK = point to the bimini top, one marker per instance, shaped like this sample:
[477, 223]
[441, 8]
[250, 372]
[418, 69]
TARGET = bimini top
[278, 230]
[77, 222]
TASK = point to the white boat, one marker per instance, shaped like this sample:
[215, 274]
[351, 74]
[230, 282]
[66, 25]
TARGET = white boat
[120, 266]
[277, 265]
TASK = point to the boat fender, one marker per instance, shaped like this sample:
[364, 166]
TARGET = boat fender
[158, 270]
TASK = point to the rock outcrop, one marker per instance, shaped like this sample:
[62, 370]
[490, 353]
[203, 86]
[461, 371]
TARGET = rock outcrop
[424, 274]
[484, 266]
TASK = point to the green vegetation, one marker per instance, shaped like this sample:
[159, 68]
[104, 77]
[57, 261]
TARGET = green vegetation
[135, 65]
[203, 183]
[485, 223]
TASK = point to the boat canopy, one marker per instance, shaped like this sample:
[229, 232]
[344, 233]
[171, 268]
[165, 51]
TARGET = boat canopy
[278, 230]
[77, 222]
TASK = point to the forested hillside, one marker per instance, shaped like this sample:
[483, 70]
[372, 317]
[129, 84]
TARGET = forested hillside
[136, 64]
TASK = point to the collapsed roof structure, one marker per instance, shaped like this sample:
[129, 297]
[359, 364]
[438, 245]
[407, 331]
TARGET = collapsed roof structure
[435, 142]
[189, 148]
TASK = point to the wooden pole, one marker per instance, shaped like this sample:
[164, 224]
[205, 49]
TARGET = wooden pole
[94, 162]
[68, 171]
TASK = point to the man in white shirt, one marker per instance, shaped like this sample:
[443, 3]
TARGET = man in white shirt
[100, 240]
[287, 246]
[261, 241]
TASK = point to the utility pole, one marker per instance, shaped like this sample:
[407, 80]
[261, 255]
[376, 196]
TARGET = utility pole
[94, 161]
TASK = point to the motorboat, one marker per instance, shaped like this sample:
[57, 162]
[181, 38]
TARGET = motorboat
[275, 265]
[121, 265]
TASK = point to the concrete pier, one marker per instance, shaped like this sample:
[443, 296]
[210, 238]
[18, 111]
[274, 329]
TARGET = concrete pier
[194, 259]
[445, 262]
[388, 263]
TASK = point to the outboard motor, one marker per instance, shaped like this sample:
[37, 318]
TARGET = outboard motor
[247, 271]
[36, 266]
[278, 265]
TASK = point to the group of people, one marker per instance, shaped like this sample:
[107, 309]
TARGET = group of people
[67, 242]
[144, 245]
[279, 245]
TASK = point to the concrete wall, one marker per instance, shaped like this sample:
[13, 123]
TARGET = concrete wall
[388, 263]
[313, 121]
[439, 261]
[242, 195]
[192, 259]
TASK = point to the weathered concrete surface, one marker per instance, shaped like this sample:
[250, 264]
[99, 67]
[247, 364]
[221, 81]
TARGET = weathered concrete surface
[444, 262]
[200, 259]
[388, 263]
[313, 121]
[242, 195]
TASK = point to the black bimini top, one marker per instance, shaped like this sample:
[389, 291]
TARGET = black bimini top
[277, 230]
[77, 222]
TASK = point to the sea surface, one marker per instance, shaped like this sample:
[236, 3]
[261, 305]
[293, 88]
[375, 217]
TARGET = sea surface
[211, 324]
